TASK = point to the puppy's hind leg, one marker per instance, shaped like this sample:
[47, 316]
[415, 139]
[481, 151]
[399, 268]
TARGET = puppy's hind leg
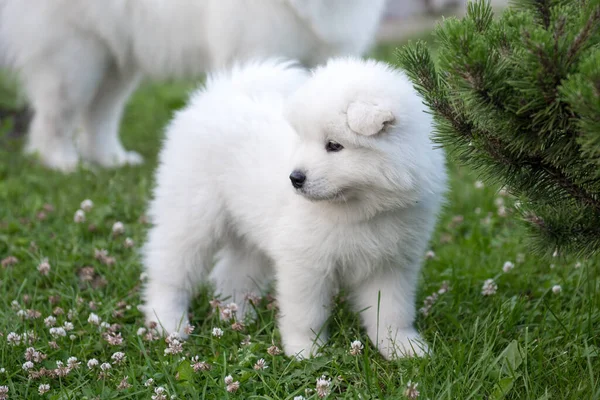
[59, 86]
[177, 256]
[239, 271]
[99, 142]
[386, 302]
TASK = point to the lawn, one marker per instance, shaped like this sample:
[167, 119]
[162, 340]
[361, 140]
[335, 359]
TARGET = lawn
[534, 335]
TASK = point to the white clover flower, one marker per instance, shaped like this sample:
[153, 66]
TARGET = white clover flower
[246, 341]
[79, 217]
[58, 332]
[411, 391]
[71, 314]
[173, 336]
[50, 321]
[29, 337]
[217, 332]
[29, 353]
[73, 363]
[15, 305]
[489, 287]
[160, 394]
[44, 267]
[27, 366]
[189, 329]
[129, 243]
[32, 354]
[87, 205]
[274, 350]
[68, 326]
[94, 319]
[141, 331]
[118, 228]
[14, 339]
[231, 386]
[261, 364]
[323, 386]
[226, 313]
[429, 255]
[149, 382]
[508, 266]
[43, 388]
[105, 366]
[356, 347]
[556, 289]
[118, 357]
[198, 365]
[92, 363]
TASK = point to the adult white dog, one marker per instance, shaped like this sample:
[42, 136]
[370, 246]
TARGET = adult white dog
[337, 185]
[80, 60]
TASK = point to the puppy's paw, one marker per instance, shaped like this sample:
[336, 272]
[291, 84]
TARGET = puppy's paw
[406, 343]
[119, 158]
[166, 322]
[60, 158]
[108, 156]
[132, 158]
[302, 348]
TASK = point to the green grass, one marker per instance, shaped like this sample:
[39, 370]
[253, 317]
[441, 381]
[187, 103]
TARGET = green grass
[524, 342]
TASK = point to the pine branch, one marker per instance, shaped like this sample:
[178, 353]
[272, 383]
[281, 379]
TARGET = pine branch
[582, 37]
[518, 99]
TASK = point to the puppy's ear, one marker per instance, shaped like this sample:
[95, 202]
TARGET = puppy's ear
[368, 119]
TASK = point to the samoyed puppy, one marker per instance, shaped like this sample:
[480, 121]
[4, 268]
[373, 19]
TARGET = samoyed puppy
[322, 182]
[80, 60]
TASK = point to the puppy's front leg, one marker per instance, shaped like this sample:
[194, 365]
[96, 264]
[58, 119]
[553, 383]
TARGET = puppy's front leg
[304, 298]
[386, 302]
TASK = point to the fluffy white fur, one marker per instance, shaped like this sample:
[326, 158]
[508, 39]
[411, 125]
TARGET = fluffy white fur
[361, 220]
[80, 60]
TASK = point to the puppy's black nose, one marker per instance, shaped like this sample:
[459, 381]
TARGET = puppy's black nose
[297, 178]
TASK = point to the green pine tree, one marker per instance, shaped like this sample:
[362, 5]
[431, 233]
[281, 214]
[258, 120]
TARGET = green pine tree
[517, 97]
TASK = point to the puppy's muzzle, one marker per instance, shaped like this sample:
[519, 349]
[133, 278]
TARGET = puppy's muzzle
[298, 178]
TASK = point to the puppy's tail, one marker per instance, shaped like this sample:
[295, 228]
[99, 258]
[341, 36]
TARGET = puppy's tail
[270, 76]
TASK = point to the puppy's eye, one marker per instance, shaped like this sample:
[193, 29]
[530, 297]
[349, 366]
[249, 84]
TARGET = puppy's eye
[332, 146]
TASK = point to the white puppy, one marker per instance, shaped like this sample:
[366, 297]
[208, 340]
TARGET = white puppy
[337, 186]
[80, 60]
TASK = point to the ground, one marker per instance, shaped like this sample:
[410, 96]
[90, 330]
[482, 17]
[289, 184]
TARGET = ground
[534, 333]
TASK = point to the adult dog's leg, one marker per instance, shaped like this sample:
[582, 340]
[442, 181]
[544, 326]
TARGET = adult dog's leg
[99, 141]
[60, 85]
[241, 270]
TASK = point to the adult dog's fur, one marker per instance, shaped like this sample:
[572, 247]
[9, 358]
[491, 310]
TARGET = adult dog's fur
[80, 60]
[357, 217]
